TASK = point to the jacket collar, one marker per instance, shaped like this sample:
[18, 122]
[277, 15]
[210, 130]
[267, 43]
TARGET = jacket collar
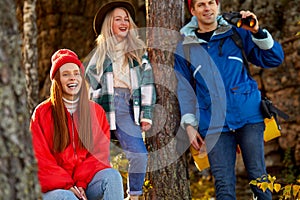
[188, 31]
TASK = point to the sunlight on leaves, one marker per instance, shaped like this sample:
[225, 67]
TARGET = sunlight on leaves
[253, 182]
[287, 192]
[270, 186]
[277, 187]
[264, 186]
[271, 179]
[295, 190]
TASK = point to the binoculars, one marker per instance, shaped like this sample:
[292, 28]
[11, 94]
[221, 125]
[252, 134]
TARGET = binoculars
[235, 18]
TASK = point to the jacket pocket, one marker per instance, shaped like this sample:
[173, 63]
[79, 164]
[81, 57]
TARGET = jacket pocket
[244, 88]
[245, 99]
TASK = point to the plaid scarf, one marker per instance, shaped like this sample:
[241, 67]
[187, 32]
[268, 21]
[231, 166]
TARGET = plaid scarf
[142, 89]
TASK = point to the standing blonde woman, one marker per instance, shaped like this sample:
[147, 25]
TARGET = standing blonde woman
[121, 80]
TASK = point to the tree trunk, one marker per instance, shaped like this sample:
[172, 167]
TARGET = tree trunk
[30, 54]
[168, 173]
[17, 164]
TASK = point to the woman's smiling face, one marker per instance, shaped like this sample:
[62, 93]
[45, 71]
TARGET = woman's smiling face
[120, 25]
[71, 80]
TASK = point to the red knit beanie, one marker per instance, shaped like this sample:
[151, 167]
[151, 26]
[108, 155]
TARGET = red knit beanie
[62, 57]
[190, 2]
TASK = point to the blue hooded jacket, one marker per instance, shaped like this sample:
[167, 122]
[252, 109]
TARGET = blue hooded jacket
[215, 92]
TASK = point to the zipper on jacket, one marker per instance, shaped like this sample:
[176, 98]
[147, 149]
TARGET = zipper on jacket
[73, 137]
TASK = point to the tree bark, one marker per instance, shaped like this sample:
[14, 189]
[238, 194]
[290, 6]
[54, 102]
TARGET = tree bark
[17, 164]
[168, 173]
[30, 53]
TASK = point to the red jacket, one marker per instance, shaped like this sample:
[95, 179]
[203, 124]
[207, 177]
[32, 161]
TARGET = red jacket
[73, 166]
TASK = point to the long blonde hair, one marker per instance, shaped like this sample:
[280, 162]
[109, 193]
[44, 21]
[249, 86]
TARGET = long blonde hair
[106, 42]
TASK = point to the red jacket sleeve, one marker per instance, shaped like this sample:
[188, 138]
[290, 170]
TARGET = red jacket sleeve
[99, 158]
[51, 175]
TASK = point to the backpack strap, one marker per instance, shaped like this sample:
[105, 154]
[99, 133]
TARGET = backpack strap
[220, 47]
[239, 43]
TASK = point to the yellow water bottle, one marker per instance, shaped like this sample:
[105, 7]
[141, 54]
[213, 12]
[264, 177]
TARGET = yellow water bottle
[200, 158]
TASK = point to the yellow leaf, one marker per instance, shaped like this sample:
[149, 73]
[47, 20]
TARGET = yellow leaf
[272, 179]
[253, 182]
[270, 186]
[264, 186]
[269, 176]
[277, 187]
[287, 191]
[295, 189]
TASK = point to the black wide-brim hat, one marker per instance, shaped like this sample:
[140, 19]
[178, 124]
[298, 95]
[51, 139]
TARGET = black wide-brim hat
[103, 10]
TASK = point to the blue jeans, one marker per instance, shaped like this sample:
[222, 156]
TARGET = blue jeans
[130, 137]
[222, 158]
[106, 185]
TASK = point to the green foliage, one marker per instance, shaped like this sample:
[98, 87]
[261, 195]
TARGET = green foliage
[289, 171]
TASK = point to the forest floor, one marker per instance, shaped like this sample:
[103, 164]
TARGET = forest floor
[201, 183]
[202, 186]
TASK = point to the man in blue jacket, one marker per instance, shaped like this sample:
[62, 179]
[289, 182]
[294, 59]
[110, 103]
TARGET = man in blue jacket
[226, 108]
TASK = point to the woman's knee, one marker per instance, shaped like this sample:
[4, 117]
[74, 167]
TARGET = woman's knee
[115, 174]
[110, 174]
